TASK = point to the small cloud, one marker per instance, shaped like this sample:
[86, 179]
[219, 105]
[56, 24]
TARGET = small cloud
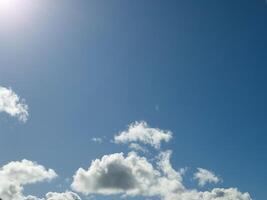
[157, 108]
[205, 176]
[11, 104]
[141, 132]
[97, 140]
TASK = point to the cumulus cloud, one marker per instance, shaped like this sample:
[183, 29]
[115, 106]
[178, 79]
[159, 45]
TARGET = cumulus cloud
[129, 175]
[114, 174]
[26, 172]
[205, 176]
[132, 175]
[135, 175]
[118, 173]
[15, 175]
[11, 104]
[141, 132]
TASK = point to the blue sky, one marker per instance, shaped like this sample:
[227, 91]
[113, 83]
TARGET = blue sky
[91, 68]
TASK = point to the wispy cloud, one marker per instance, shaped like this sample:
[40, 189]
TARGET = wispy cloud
[97, 140]
[137, 147]
[205, 176]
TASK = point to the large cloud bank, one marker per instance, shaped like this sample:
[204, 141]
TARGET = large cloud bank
[125, 174]
[11, 104]
[135, 175]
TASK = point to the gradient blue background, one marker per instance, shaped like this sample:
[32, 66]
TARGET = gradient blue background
[89, 68]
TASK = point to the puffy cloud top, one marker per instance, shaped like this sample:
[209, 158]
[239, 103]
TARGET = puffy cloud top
[11, 104]
[141, 132]
[26, 172]
[113, 174]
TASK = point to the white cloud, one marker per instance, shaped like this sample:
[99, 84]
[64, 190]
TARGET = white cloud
[126, 175]
[132, 175]
[141, 132]
[115, 174]
[225, 194]
[56, 196]
[205, 176]
[15, 175]
[215, 194]
[62, 196]
[11, 104]
[97, 140]
[26, 172]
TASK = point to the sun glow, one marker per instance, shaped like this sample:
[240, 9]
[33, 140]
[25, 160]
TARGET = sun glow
[14, 12]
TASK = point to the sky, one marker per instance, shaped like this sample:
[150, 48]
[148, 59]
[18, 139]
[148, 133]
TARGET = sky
[133, 99]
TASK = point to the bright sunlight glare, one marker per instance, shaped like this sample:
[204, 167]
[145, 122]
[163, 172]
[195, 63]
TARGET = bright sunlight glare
[14, 12]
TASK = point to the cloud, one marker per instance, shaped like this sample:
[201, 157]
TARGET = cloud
[26, 172]
[205, 176]
[122, 174]
[141, 132]
[56, 196]
[217, 194]
[132, 175]
[97, 140]
[115, 174]
[15, 175]
[129, 175]
[11, 104]
[135, 175]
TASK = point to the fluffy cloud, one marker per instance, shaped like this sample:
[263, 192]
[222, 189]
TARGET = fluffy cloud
[129, 175]
[15, 175]
[11, 104]
[141, 132]
[26, 172]
[205, 176]
[126, 175]
[114, 174]
[133, 175]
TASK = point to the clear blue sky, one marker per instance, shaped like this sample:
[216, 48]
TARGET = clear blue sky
[90, 68]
